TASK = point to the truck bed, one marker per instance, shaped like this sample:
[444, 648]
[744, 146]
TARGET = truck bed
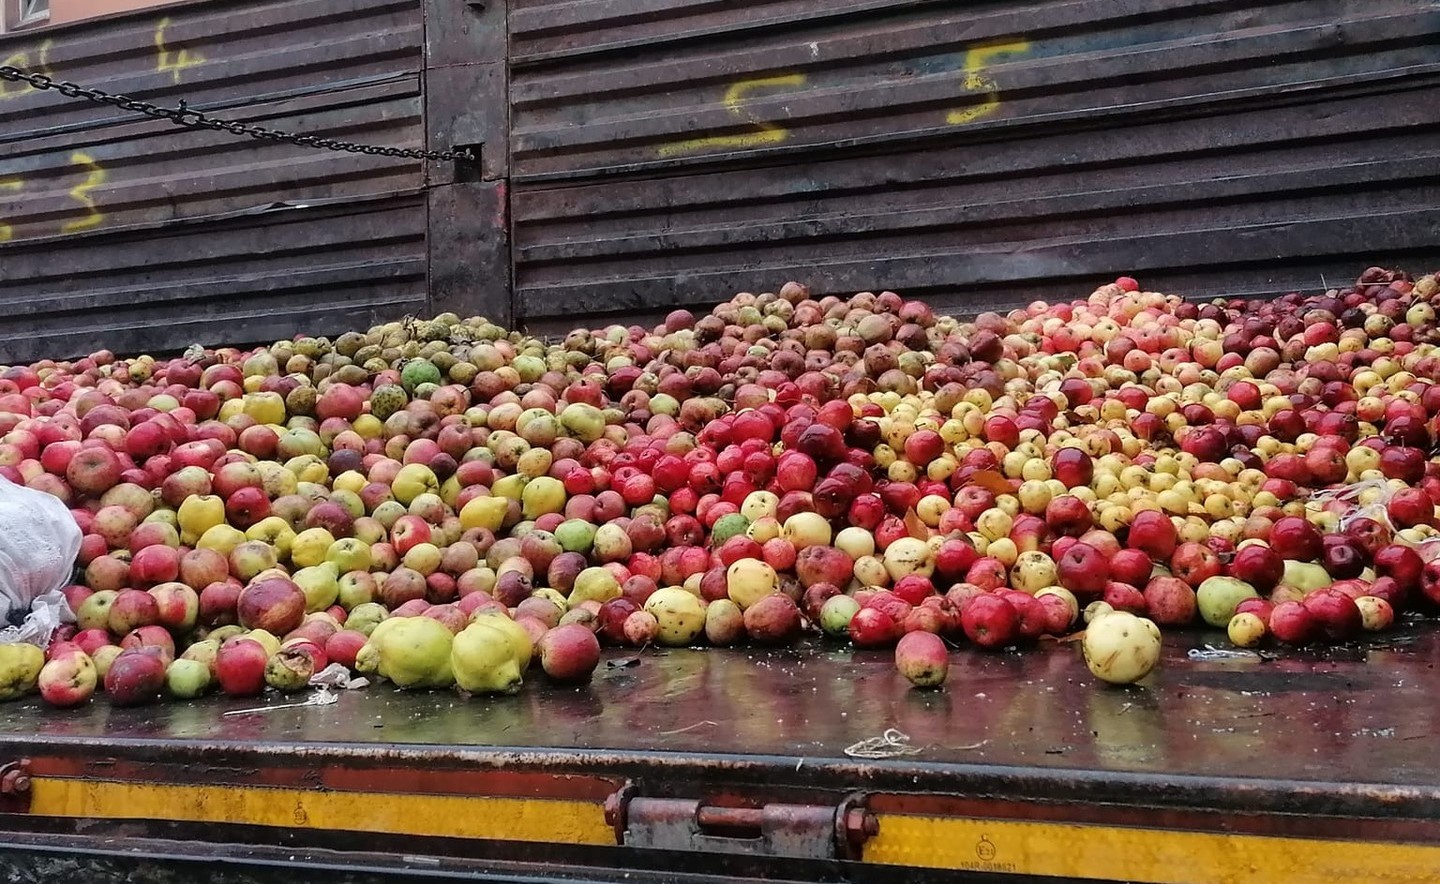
[680, 764]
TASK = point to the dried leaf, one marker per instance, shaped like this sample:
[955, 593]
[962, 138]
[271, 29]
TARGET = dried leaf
[917, 527]
[991, 481]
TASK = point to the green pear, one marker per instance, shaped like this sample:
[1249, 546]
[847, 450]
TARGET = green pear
[20, 666]
[520, 643]
[1218, 596]
[413, 652]
[483, 659]
[1305, 576]
[364, 618]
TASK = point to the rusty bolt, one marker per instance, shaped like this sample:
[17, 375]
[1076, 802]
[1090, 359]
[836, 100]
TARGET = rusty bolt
[860, 825]
[612, 809]
[15, 782]
[616, 806]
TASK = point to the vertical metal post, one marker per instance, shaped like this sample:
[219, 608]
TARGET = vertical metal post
[466, 88]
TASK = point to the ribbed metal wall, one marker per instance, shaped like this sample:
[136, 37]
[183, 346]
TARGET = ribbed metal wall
[133, 234]
[976, 153]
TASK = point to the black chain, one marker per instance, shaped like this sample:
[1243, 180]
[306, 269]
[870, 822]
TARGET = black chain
[193, 119]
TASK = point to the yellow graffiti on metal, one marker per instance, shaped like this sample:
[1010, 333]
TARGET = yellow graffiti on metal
[6, 231]
[1115, 853]
[451, 816]
[169, 61]
[38, 64]
[976, 80]
[736, 102]
[94, 177]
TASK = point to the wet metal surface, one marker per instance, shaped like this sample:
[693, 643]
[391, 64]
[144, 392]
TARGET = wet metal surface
[133, 234]
[677, 152]
[1339, 723]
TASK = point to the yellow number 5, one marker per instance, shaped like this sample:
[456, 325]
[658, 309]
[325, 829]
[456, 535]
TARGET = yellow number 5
[977, 81]
[95, 176]
[765, 132]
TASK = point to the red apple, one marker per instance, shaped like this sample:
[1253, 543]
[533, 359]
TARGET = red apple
[990, 621]
[1083, 570]
[1195, 563]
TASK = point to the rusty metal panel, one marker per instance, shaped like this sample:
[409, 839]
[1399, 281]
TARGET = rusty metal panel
[670, 152]
[106, 214]
[244, 278]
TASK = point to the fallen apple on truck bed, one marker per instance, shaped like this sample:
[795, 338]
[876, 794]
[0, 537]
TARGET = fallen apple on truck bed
[782, 464]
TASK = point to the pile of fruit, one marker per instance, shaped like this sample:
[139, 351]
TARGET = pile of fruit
[437, 502]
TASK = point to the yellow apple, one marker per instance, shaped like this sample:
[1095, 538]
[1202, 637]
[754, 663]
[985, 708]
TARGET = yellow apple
[278, 480]
[350, 480]
[274, 531]
[350, 501]
[221, 538]
[321, 585]
[412, 481]
[422, 557]
[198, 514]
[310, 546]
[265, 408]
[368, 426]
[308, 468]
[349, 554]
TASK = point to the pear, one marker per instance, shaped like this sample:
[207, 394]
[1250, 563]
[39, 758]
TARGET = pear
[594, 584]
[483, 659]
[520, 643]
[484, 512]
[1305, 576]
[413, 652]
[1217, 598]
[542, 495]
[365, 618]
[20, 666]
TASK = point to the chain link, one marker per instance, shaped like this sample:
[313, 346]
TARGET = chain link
[193, 119]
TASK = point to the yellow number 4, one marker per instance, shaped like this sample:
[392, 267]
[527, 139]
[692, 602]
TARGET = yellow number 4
[976, 80]
[172, 62]
[22, 60]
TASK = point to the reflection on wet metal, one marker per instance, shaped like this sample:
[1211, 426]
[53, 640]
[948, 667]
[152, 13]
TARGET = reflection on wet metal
[1304, 716]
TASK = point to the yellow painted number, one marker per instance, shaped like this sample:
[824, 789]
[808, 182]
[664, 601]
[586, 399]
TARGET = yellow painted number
[736, 98]
[23, 61]
[173, 63]
[976, 80]
[8, 184]
[94, 177]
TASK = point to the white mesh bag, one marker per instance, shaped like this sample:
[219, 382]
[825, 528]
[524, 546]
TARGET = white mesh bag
[38, 544]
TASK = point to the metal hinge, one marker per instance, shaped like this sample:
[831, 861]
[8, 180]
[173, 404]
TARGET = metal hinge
[15, 786]
[803, 831]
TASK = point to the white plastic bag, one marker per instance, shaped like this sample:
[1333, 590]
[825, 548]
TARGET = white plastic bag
[38, 544]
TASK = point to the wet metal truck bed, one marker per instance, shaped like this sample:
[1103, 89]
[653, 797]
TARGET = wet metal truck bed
[691, 766]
